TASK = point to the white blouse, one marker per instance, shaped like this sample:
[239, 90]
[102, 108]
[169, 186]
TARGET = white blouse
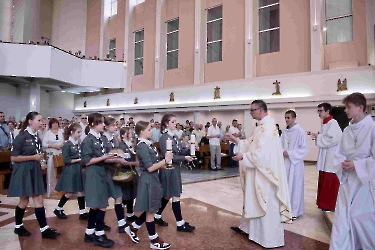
[50, 139]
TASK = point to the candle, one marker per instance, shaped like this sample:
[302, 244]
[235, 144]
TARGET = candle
[169, 144]
[192, 138]
[192, 149]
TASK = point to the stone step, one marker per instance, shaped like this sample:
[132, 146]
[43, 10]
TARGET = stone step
[328, 218]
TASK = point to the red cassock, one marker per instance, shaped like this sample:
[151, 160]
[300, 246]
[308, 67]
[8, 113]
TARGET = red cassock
[328, 188]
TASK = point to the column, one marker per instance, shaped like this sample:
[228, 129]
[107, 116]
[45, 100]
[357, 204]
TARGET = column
[197, 116]
[247, 122]
[128, 43]
[27, 21]
[105, 15]
[157, 117]
[370, 20]
[160, 50]
[249, 38]
[34, 97]
[5, 19]
[317, 23]
[199, 50]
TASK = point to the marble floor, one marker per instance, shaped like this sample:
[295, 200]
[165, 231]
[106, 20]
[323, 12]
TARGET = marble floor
[221, 197]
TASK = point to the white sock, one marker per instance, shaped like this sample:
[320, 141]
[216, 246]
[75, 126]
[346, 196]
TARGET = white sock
[58, 208]
[129, 215]
[157, 216]
[99, 233]
[90, 231]
[135, 225]
[44, 228]
[82, 211]
[18, 226]
[153, 237]
[180, 223]
[121, 222]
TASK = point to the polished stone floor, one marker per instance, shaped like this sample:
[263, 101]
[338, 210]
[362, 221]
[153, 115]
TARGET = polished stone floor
[212, 206]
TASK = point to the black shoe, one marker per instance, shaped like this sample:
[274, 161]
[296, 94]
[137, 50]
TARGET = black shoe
[106, 228]
[161, 222]
[213, 168]
[83, 216]
[132, 218]
[60, 214]
[185, 228]
[50, 233]
[238, 230]
[89, 237]
[294, 218]
[21, 231]
[103, 241]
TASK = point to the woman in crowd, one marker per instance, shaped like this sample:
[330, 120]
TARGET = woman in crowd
[27, 178]
[149, 190]
[71, 180]
[171, 178]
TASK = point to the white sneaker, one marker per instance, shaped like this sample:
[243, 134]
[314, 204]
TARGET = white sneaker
[159, 244]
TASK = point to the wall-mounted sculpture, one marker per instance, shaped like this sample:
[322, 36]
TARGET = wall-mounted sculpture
[342, 85]
[136, 100]
[171, 97]
[217, 92]
[277, 86]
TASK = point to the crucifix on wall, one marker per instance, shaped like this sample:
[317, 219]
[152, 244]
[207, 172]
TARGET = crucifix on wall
[277, 85]
[217, 92]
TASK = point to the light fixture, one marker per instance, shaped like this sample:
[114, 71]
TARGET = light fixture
[325, 28]
[63, 91]
[33, 103]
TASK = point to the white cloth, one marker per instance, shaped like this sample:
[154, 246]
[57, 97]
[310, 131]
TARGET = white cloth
[213, 131]
[294, 141]
[265, 187]
[178, 134]
[155, 134]
[50, 139]
[233, 130]
[354, 220]
[328, 141]
[83, 134]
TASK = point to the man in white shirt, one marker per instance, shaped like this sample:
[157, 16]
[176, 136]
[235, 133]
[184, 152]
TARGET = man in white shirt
[354, 220]
[294, 143]
[233, 130]
[83, 124]
[327, 140]
[5, 139]
[213, 135]
[221, 131]
[156, 133]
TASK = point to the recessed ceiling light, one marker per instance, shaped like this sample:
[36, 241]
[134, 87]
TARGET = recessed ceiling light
[63, 91]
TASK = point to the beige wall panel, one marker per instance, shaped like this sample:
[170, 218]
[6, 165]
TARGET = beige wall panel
[355, 50]
[172, 9]
[233, 64]
[294, 55]
[93, 28]
[46, 7]
[211, 3]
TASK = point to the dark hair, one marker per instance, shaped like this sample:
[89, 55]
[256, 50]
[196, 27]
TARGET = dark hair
[30, 116]
[14, 123]
[108, 121]
[292, 112]
[71, 128]
[131, 118]
[122, 118]
[166, 118]
[357, 99]
[234, 120]
[124, 130]
[1, 112]
[326, 106]
[94, 119]
[141, 126]
[52, 121]
[260, 104]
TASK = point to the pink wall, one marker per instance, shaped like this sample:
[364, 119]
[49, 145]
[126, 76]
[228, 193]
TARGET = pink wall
[93, 28]
[144, 17]
[46, 10]
[233, 64]
[116, 28]
[356, 50]
[294, 55]
[184, 74]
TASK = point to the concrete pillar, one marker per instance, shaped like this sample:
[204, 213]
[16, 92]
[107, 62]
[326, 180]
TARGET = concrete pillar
[249, 38]
[199, 54]
[129, 44]
[105, 14]
[157, 117]
[316, 33]
[27, 21]
[197, 116]
[370, 21]
[34, 97]
[160, 48]
[5, 19]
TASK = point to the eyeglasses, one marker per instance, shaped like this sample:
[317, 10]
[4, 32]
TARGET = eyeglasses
[319, 111]
[252, 110]
[84, 118]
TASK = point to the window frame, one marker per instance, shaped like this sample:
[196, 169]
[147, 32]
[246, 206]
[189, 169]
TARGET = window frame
[267, 30]
[113, 49]
[139, 58]
[214, 41]
[114, 2]
[336, 18]
[174, 50]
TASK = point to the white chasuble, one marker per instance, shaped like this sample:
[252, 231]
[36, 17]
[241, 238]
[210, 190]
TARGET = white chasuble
[328, 141]
[294, 141]
[354, 220]
[265, 187]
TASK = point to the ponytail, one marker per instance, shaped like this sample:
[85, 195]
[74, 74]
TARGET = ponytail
[71, 128]
[87, 129]
[30, 116]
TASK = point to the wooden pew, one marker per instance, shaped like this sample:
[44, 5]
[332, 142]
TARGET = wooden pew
[5, 163]
[58, 162]
[204, 149]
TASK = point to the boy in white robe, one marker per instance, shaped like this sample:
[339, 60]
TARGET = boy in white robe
[266, 197]
[294, 143]
[327, 141]
[354, 220]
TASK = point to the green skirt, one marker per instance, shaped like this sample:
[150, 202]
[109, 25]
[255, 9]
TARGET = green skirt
[96, 188]
[149, 193]
[71, 179]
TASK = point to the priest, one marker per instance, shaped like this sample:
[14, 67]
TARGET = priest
[262, 172]
[354, 220]
[327, 141]
[295, 149]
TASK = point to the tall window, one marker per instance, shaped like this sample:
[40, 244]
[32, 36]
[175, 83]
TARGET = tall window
[113, 7]
[138, 52]
[339, 21]
[214, 34]
[139, 1]
[112, 48]
[269, 26]
[172, 44]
